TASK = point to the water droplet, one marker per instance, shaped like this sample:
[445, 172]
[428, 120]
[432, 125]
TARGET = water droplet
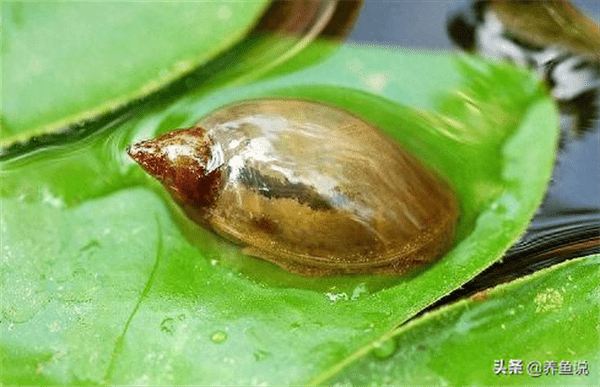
[359, 290]
[261, 355]
[335, 297]
[384, 349]
[181, 317]
[218, 337]
[51, 199]
[168, 325]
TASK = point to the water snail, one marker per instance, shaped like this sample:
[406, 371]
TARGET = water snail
[306, 186]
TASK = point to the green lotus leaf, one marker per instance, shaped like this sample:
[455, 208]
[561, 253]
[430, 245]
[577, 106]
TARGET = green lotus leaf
[538, 330]
[104, 281]
[63, 62]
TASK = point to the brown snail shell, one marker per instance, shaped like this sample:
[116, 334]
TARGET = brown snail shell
[306, 186]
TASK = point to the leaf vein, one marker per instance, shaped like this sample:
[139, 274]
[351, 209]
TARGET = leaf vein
[120, 340]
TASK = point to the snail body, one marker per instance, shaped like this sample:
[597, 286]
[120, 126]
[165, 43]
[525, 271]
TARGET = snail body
[306, 186]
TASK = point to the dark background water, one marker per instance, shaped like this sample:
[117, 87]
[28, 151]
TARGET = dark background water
[567, 224]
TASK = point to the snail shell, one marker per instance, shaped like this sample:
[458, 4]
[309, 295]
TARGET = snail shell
[306, 186]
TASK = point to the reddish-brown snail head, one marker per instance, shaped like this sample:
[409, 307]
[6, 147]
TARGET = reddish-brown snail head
[180, 161]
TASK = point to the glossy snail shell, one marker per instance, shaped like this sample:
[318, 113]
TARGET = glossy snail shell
[306, 186]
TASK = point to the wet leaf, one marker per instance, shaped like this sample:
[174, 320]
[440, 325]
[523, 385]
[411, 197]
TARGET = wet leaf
[550, 316]
[63, 62]
[104, 281]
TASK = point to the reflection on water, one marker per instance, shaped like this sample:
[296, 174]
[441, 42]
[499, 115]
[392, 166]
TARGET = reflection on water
[550, 239]
[567, 224]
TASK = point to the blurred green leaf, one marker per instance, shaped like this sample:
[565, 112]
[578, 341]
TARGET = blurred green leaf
[63, 62]
[104, 281]
[550, 316]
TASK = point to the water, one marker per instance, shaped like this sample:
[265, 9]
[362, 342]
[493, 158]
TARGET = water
[218, 337]
[384, 349]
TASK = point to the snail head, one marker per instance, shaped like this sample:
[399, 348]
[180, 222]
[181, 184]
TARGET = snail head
[179, 160]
